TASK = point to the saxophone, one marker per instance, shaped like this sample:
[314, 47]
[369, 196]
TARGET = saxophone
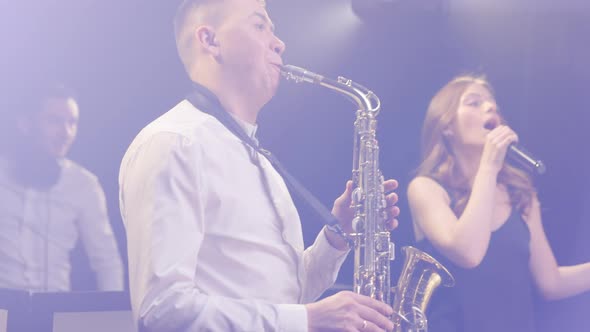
[373, 250]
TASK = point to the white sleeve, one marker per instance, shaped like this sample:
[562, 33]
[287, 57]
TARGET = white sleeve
[162, 203]
[98, 239]
[322, 263]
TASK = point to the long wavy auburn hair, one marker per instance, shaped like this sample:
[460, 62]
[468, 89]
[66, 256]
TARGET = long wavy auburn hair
[438, 160]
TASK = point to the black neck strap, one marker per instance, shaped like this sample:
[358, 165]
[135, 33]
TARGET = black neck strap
[207, 102]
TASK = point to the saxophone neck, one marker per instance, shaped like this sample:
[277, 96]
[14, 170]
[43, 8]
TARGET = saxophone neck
[365, 99]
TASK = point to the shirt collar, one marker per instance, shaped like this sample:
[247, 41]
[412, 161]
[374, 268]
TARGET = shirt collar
[249, 128]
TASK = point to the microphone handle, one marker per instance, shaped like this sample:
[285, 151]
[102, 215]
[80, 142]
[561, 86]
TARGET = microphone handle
[524, 158]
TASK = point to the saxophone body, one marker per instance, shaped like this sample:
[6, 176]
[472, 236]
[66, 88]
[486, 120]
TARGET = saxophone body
[370, 239]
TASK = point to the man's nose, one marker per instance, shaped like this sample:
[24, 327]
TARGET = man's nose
[278, 46]
[67, 130]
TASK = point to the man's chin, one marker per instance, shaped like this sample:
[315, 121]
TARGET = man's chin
[59, 152]
[274, 87]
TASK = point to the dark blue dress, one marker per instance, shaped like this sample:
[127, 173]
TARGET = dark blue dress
[497, 295]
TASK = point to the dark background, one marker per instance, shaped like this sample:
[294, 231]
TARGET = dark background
[120, 58]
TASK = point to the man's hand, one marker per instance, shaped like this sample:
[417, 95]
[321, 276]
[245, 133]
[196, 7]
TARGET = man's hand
[345, 213]
[348, 311]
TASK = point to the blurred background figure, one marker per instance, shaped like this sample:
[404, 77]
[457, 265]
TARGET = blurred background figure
[49, 202]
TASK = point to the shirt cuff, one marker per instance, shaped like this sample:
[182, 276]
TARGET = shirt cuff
[292, 318]
[326, 251]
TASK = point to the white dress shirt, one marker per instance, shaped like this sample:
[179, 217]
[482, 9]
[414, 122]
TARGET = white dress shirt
[38, 228]
[214, 239]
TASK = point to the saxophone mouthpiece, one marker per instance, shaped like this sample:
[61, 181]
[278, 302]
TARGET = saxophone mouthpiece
[298, 74]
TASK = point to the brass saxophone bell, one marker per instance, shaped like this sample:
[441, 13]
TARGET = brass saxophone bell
[421, 275]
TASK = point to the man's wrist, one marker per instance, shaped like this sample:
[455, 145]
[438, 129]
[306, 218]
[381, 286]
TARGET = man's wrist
[335, 240]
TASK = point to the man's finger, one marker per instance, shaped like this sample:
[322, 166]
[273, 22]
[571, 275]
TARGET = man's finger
[390, 185]
[391, 199]
[392, 212]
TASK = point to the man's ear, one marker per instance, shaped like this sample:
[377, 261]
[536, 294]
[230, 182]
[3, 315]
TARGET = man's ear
[207, 39]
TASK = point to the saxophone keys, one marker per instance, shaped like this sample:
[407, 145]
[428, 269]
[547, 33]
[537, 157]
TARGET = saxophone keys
[358, 224]
[391, 251]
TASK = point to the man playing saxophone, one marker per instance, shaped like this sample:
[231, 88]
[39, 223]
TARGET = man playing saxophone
[214, 239]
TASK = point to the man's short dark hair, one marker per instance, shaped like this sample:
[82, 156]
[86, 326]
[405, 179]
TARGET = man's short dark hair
[22, 101]
[28, 99]
[183, 14]
[32, 99]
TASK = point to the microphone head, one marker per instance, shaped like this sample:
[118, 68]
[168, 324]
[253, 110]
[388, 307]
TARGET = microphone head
[540, 167]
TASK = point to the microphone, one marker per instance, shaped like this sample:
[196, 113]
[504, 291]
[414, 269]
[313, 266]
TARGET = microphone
[523, 158]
